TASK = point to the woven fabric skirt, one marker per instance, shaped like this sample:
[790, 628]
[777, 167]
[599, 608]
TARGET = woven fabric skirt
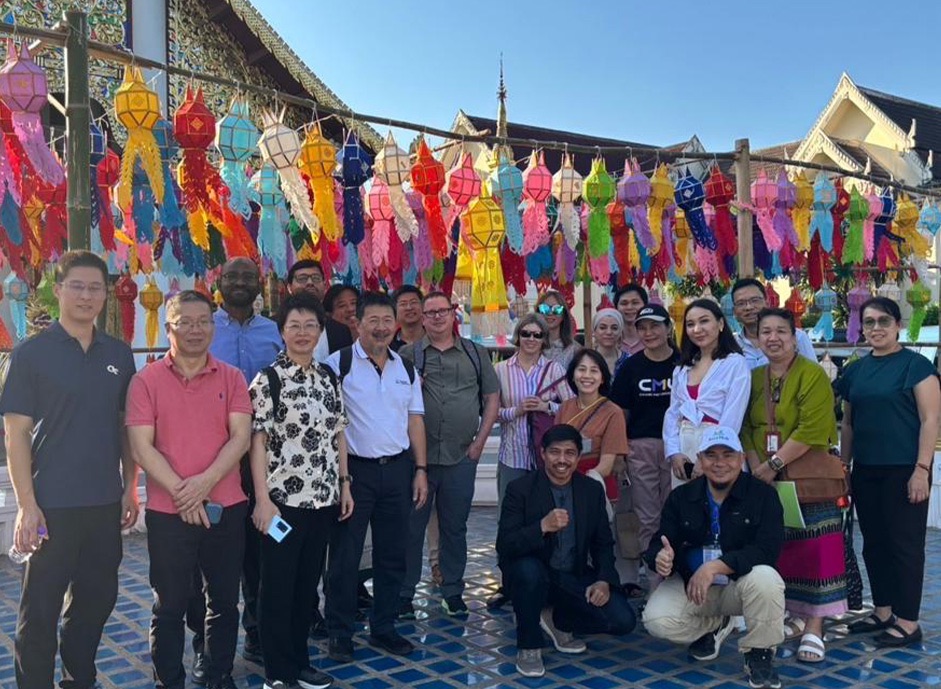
[812, 563]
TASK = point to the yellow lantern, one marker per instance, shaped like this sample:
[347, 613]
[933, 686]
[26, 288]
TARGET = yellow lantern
[677, 311]
[318, 159]
[486, 229]
[138, 109]
[803, 209]
[151, 298]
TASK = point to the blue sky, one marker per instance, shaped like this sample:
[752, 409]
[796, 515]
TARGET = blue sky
[654, 72]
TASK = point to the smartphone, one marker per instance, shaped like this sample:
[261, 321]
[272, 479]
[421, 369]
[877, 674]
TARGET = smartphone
[213, 511]
[688, 469]
[278, 529]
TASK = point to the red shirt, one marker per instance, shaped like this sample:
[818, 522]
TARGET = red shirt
[191, 422]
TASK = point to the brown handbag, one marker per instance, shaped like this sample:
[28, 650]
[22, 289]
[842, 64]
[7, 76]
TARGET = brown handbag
[817, 475]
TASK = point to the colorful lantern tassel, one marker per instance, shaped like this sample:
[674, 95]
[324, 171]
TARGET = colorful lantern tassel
[138, 109]
[537, 188]
[356, 170]
[428, 180]
[918, 296]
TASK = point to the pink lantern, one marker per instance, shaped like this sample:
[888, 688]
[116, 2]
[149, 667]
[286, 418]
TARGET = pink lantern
[383, 220]
[537, 187]
[764, 194]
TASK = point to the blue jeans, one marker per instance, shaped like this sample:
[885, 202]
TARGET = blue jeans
[533, 586]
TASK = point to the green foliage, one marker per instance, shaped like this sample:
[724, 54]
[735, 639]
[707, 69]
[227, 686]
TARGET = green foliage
[931, 315]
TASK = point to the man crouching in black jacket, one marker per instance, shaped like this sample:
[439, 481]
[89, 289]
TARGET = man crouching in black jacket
[721, 533]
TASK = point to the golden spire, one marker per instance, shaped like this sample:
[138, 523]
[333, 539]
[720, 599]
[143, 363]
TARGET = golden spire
[501, 149]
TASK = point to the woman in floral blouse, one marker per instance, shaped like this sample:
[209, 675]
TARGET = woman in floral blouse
[298, 461]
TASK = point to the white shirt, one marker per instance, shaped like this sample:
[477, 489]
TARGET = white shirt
[755, 357]
[378, 407]
[723, 396]
[322, 350]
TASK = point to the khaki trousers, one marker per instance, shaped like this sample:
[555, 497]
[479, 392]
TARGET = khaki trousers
[758, 596]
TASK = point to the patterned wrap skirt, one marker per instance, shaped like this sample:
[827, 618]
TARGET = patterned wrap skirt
[813, 565]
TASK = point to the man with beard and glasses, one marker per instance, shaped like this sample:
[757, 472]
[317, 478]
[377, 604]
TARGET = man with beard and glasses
[387, 464]
[720, 536]
[248, 341]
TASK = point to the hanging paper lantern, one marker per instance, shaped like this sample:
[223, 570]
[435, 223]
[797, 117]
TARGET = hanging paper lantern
[853, 248]
[281, 147]
[890, 290]
[786, 197]
[661, 198]
[720, 192]
[634, 192]
[796, 305]
[825, 299]
[394, 168]
[800, 213]
[567, 188]
[598, 190]
[506, 185]
[677, 313]
[772, 298]
[620, 241]
[821, 222]
[272, 239]
[486, 230]
[428, 180]
[929, 220]
[463, 184]
[138, 109]
[171, 215]
[151, 298]
[728, 310]
[764, 194]
[318, 160]
[236, 141]
[125, 291]
[855, 298]
[537, 188]
[24, 89]
[918, 296]
[383, 217]
[683, 248]
[356, 169]
[690, 195]
[55, 233]
[17, 292]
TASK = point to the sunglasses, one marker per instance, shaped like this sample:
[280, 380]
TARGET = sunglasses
[883, 322]
[531, 334]
[556, 310]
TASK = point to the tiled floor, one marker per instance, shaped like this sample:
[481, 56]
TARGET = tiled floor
[480, 652]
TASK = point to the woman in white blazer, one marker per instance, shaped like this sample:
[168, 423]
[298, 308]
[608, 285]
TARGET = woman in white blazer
[711, 385]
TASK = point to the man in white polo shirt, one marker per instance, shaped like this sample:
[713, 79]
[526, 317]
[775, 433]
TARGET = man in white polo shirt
[388, 468]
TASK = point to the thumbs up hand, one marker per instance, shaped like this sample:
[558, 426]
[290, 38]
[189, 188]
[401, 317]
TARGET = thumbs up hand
[664, 560]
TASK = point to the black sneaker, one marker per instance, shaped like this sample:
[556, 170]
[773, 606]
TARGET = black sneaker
[707, 646]
[363, 597]
[759, 666]
[312, 678]
[251, 651]
[280, 684]
[498, 600]
[224, 683]
[392, 642]
[406, 609]
[318, 627]
[454, 605]
[200, 666]
[340, 650]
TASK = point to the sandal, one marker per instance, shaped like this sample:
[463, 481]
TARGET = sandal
[886, 640]
[793, 628]
[870, 624]
[811, 649]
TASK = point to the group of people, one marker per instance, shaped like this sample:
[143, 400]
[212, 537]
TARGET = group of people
[276, 450]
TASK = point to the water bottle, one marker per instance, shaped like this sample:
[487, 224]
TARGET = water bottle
[19, 558]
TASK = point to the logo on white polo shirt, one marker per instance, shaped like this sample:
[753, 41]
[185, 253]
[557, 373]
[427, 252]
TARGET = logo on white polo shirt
[113, 370]
[399, 381]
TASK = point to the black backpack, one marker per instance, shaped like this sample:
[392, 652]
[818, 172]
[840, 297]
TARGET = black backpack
[471, 351]
[346, 362]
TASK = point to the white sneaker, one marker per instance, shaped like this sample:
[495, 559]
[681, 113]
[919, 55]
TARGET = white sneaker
[564, 642]
[529, 662]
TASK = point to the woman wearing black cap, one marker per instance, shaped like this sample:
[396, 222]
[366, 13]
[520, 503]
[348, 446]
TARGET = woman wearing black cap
[642, 389]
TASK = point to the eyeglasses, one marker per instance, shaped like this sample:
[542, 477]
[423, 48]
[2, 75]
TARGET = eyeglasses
[298, 328]
[531, 334]
[312, 279]
[882, 321]
[94, 289]
[745, 303]
[556, 310]
[185, 324]
[247, 276]
[438, 313]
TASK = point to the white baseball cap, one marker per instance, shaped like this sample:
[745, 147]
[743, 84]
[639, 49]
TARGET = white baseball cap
[720, 435]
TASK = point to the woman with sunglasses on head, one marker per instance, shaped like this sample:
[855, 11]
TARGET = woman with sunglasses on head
[790, 413]
[606, 329]
[891, 408]
[629, 300]
[562, 344]
[709, 387]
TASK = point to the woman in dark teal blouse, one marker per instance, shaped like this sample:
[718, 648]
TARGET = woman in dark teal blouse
[891, 403]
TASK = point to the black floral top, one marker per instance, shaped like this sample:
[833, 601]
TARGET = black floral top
[303, 433]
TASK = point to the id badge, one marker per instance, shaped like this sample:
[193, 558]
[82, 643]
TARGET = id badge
[710, 553]
[772, 442]
[586, 445]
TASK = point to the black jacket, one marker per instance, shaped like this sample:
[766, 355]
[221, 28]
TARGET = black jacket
[338, 335]
[751, 522]
[529, 499]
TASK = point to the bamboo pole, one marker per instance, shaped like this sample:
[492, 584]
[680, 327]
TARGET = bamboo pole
[77, 128]
[746, 253]
[586, 311]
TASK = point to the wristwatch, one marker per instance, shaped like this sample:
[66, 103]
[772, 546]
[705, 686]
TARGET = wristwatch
[345, 479]
[421, 467]
[776, 462]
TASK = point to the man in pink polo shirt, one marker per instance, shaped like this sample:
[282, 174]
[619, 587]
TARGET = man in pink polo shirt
[189, 422]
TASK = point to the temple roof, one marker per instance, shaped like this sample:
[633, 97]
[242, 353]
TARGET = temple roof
[927, 117]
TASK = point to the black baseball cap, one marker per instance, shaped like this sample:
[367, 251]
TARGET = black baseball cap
[653, 312]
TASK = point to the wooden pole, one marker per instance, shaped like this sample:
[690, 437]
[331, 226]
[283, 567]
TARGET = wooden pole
[746, 252]
[78, 130]
[586, 311]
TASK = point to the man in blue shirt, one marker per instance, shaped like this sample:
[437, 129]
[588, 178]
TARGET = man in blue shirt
[250, 342]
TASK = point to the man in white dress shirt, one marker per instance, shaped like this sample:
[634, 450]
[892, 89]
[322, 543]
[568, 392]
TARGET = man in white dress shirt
[748, 298]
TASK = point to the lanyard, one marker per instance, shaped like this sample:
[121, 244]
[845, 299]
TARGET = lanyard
[714, 526]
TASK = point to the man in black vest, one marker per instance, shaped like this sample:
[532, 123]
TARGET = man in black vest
[555, 548]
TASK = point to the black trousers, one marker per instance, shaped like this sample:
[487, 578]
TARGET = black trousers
[383, 497]
[289, 588]
[533, 586]
[251, 575]
[893, 532]
[175, 549]
[78, 567]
